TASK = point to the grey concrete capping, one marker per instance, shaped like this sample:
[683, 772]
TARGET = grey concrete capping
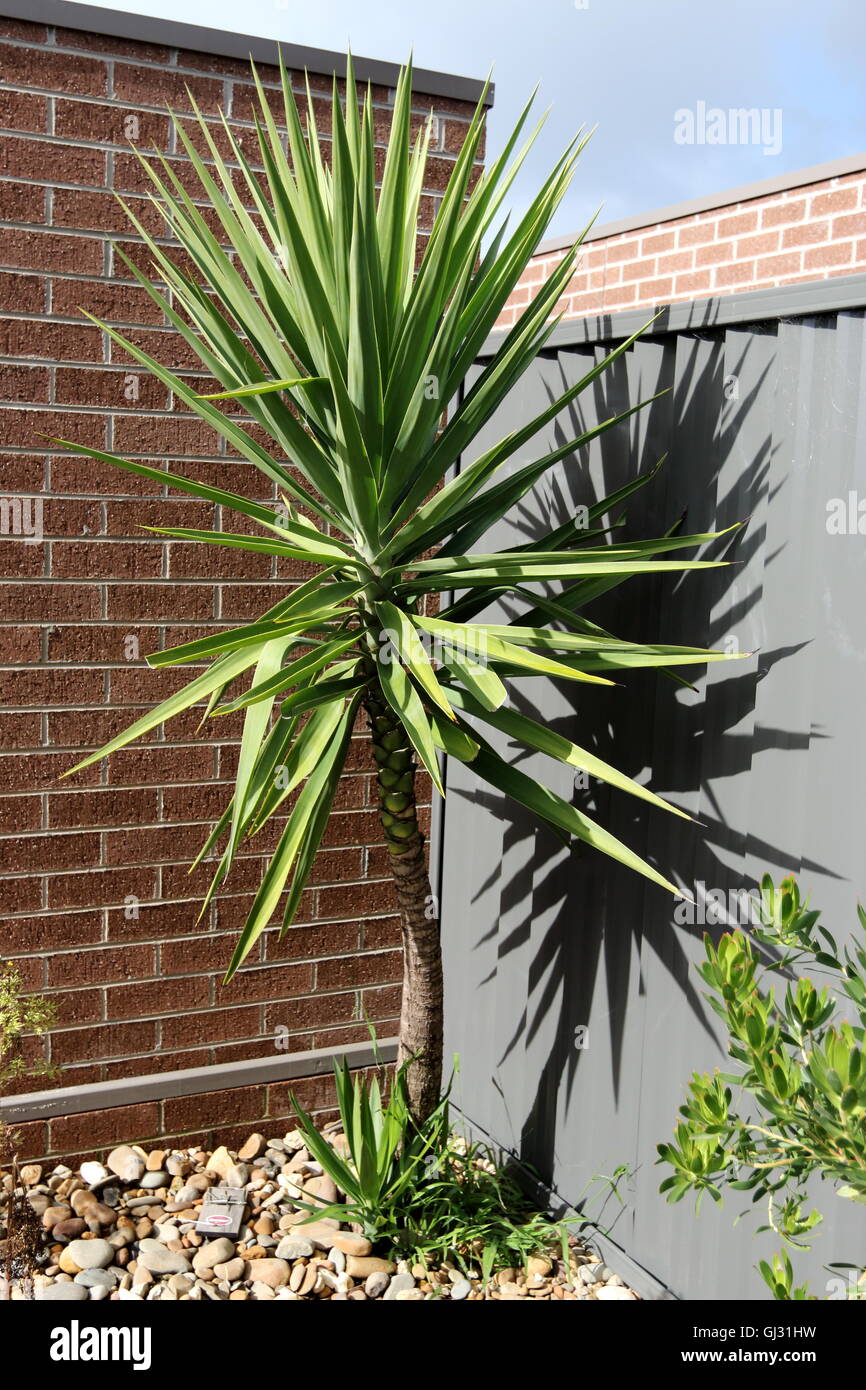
[764, 188]
[193, 1081]
[785, 301]
[148, 29]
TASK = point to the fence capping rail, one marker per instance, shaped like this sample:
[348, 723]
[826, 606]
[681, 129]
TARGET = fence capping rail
[192, 1081]
[721, 311]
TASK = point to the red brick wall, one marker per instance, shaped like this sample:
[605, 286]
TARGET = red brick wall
[95, 902]
[808, 232]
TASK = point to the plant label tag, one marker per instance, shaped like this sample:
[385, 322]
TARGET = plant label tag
[222, 1212]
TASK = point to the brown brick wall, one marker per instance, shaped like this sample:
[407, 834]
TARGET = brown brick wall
[95, 900]
[811, 232]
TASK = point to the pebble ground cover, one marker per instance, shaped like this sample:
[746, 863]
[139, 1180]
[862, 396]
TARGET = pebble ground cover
[125, 1230]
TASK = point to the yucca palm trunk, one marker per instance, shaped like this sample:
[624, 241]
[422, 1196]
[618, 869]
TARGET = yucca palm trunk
[422, 1007]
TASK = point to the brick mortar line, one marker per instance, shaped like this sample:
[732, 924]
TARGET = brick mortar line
[799, 248]
[711, 241]
[89, 709]
[180, 743]
[107, 280]
[155, 977]
[150, 786]
[69, 1069]
[65, 749]
[206, 935]
[144, 413]
[26, 580]
[127, 107]
[260, 965]
[104, 189]
[20, 451]
[97, 538]
[113, 368]
[249, 1040]
[335, 993]
[709, 267]
[67, 321]
[780, 250]
[194, 896]
[66, 624]
[257, 860]
[110, 189]
[182, 1011]
[217, 972]
[228, 741]
[203, 935]
[108, 238]
[124, 497]
[175, 863]
[72, 750]
[134, 866]
[252, 859]
[100, 538]
[243, 124]
[67, 792]
[245, 1040]
[61, 793]
[175, 457]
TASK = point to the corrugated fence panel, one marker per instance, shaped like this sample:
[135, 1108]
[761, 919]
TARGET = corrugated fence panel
[573, 998]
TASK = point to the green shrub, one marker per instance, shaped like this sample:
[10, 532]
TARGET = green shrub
[801, 1078]
[20, 1014]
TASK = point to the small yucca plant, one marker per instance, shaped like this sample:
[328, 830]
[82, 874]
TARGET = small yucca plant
[385, 1154]
[310, 312]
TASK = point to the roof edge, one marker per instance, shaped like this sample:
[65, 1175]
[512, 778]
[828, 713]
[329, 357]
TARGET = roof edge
[177, 34]
[816, 173]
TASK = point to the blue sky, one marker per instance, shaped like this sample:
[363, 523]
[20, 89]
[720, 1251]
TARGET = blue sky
[629, 67]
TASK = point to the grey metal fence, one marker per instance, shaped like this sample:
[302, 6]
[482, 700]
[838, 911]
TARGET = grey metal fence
[764, 419]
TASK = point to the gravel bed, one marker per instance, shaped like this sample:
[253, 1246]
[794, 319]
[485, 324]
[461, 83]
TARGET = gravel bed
[126, 1231]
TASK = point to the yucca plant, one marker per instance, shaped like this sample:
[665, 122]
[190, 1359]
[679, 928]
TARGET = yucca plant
[383, 1163]
[306, 306]
[423, 1192]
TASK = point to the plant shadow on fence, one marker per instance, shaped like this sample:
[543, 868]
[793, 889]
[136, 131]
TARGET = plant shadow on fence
[574, 931]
